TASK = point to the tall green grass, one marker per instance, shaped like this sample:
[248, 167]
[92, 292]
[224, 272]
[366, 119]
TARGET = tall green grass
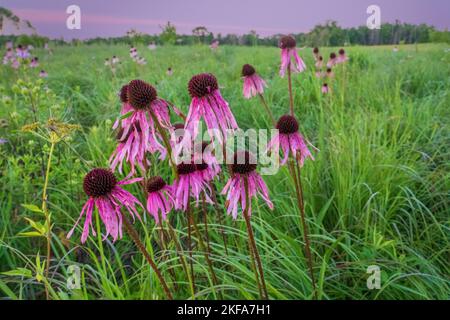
[377, 193]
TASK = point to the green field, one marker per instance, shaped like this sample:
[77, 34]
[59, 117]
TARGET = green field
[377, 193]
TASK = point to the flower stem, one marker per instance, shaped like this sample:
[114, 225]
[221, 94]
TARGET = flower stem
[301, 206]
[252, 240]
[189, 243]
[219, 215]
[266, 106]
[134, 235]
[206, 252]
[47, 217]
[291, 97]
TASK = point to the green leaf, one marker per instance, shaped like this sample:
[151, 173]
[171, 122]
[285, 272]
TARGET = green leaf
[30, 234]
[21, 272]
[32, 207]
[126, 115]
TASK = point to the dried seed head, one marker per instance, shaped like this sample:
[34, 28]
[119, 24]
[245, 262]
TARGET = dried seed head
[342, 52]
[329, 70]
[243, 163]
[155, 184]
[124, 94]
[99, 182]
[287, 124]
[140, 94]
[287, 42]
[202, 84]
[186, 168]
[320, 58]
[316, 50]
[248, 70]
[332, 55]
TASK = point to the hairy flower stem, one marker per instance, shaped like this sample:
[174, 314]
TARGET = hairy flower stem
[252, 240]
[205, 222]
[291, 97]
[166, 142]
[300, 202]
[266, 106]
[134, 235]
[47, 217]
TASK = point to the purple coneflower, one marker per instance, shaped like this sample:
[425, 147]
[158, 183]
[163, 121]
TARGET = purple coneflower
[319, 62]
[290, 140]
[207, 102]
[206, 163]
[253, 83]
[43, 74]
[22, 52]
[189, 183]
[34, 62]
[108, 197]
[169, 71]
[244, 168]
[159, 198]
[325, 88]
[342, 56]
[316, 53]
[289, 51]
[333, 60]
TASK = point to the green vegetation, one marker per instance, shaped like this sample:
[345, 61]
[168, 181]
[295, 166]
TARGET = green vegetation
[377, 193]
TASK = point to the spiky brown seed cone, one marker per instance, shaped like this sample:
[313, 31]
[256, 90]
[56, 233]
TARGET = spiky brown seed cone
[140, 94]
[316, 50]
[124, 94]
[332, 55]
[341, 52]
[248, 165]
[287, 124]
[155, 184]
[287, 42]
[99, 182]
[248, 70]
[321, 58]
[329, 70]
[202, 84]
[201, 166]
[186, 168]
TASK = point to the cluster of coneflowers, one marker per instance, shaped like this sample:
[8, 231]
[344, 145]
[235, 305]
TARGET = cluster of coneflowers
[328, 74]
[134, 55]
[145, 128]
[21, 55]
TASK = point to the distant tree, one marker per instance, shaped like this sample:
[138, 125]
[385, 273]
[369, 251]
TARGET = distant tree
[168, 34]
[200, 33]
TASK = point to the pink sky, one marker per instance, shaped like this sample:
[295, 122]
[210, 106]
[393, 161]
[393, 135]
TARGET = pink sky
[115, 17]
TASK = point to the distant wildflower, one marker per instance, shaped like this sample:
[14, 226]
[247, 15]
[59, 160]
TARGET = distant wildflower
[43, 74]
[34, 62]
[342, 56]
[160, 198]
[133, 52]
[115, 60]
[207, 102]
[316, 53]
[214, 45]
[319, 62]
[325, 88]
[253, 83]
[330, 73]
[290, 140]
[332, 61]
[169, 71]
[289, 56]
[22, 52]
[107, 63]
[106, 194]
[3, 141]
[151, 46]
[15, 64]
[244, 168]
[189, 183]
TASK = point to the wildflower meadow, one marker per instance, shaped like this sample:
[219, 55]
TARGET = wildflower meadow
[224, 172]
